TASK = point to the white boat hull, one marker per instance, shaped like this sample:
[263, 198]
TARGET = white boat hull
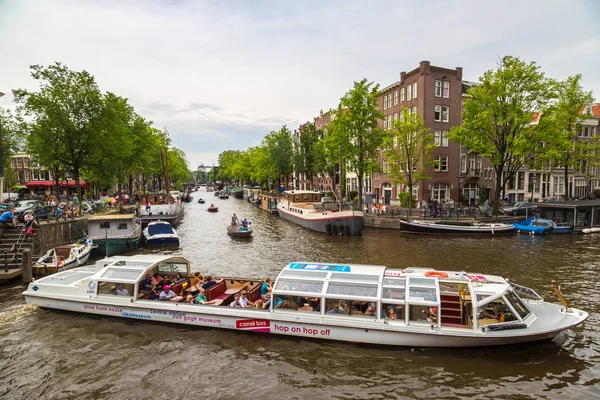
[249, 320]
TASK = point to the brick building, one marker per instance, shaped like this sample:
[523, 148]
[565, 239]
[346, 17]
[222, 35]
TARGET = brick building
[436, 94]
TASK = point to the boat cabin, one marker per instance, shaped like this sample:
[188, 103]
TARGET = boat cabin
[406, 297]
[302, 196]
[112, 225]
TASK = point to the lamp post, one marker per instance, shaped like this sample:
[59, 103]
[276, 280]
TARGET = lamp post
[1, 162]
[533, 181]
[460, 188]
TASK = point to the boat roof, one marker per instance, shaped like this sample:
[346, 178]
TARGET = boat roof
[110, 217]
[353, 274]
[301, 192]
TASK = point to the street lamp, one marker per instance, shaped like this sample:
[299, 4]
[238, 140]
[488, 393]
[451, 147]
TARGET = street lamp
[460, 188]
[533, 181]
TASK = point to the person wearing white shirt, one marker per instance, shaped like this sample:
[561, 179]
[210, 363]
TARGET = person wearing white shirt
[121, 291]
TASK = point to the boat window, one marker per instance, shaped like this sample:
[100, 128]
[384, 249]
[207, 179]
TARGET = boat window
[391, 312]
[173, 267]
[289, 285]
[495, 312]
[420, 294]
[517, 304]
[121, 273]
[307, 197]
[122, 225]
[353, 308]
[352, 289]
[303, 274]
[394, 293]
[394, 282]
[428, 282]
[115, 289]
[482, 296]
[423, 314]
[104, 225]
[337, 276]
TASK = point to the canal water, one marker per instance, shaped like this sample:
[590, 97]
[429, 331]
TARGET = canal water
[61, 355]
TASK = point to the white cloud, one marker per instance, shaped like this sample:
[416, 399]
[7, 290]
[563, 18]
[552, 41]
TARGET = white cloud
[221, 75]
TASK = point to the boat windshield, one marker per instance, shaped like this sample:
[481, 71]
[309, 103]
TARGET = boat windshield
[160, 229]
[517, 304]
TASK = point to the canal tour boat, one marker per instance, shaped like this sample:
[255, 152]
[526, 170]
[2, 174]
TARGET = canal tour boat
[304, 207]
[344, 302]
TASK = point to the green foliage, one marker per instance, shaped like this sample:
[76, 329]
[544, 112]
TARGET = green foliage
[280, 150]
[353, 195]
[309, 149]
[404, 199]
[498, 115]
[355, 128]
[408, 146]
[13, 131]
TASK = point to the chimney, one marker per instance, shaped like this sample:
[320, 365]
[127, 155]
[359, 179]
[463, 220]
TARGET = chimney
[425, 67]
[402, 75]
[459, 73]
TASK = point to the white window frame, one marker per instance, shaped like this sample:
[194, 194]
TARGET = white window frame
[409, 92]
[395, 97]
[414, 94]
[447, 117]
[385, 106]
[446, 90]
[438, 88]
[438, 160]
[401, 95]
[438, 111]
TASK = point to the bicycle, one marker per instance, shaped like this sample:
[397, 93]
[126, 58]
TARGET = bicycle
[57, 214]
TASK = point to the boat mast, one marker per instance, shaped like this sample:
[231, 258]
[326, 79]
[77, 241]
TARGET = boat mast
[340, 181]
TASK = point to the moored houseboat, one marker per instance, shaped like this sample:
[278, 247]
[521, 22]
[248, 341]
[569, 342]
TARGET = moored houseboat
[161, 208]
[269, 202]
[345, 302]
[455, 228]
[303, 207]
[114, 233]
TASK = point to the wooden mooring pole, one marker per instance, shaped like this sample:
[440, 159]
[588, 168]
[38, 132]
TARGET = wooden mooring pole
[27, 266]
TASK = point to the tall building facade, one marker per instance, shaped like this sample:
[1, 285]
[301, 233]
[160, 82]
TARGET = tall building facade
[436, 94]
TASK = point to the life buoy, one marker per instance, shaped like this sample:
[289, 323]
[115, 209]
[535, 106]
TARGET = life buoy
[436, 274]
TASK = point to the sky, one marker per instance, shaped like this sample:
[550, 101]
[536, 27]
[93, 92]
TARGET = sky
[220, 75]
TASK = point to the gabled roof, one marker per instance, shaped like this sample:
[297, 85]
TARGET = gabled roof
[595, 109]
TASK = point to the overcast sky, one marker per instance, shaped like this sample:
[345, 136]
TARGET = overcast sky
[222, 74]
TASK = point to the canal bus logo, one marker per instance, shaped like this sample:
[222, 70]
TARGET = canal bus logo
[91, 287]
[321, 267]
[255, 325]
[35, 288]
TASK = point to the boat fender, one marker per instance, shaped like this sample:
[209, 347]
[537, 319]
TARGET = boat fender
[436, 274]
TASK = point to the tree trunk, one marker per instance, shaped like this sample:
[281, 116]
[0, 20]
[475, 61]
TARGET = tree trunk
[498, 189]
[130, 187]
[567, 188]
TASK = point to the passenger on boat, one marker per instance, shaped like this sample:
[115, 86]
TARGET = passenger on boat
[337, 308]
[244, 302]
[121, 291]
[156, 279]
[234, 220]
[211, 282]
[244, 223]
[236, 301]
[146, 284]
[269, 299]
[370, 312]
[201, 298]
[179, 278]
[198, 278]
[306, 307]
[259, 304]
[432, 314]
[266, 287]
[390, 313]
[167, 293]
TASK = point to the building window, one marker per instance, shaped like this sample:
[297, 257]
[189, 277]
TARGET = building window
[463, 164]
[20, 176]
[408, 92]
[414, 90]
[12, 162]
[445, 113]
[26, 162]
[438, 113]
[19, 162]
[441, 138]
[385, 102]
[395, 116]
[389, 121]
[438, 88]
[440, 163]
[26, 176]
[414, 111]
[446, 92]
[384, 166]
[521, 180]
[396, 98]
[389, 100]
[35, 175]
[440, 192]
[402, 95]
[384, 123]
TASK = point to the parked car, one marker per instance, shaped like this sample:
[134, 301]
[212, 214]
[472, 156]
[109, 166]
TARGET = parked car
[22, 207]
[520, 208]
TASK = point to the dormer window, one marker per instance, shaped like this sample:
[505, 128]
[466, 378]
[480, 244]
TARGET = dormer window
[588, 110]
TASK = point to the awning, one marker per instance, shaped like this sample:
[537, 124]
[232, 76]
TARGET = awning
[51, 183]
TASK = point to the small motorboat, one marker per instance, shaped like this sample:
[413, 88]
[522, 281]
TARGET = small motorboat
[239, 231]
[212, 209]
[455, 228]
[201, 201]
[159, 233]
[224, 196]
[64, 257]
[540, 226]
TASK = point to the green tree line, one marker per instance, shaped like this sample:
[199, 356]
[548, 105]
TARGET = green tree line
[69, 126]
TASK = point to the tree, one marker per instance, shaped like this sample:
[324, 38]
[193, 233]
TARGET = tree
[65, 113]
[408, 146]
[261, 168]
[498, 116]
[12, 132]
[307, 163]
[561, 123]
[355, 127]
[280, 149]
